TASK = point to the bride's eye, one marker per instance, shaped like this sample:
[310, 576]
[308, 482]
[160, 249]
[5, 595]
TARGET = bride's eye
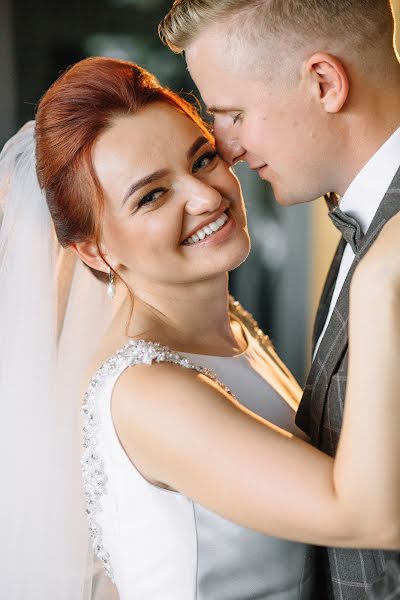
[151, 197]
[204, 161]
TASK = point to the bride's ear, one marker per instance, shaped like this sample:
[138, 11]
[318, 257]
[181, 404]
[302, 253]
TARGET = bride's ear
[89, 253]
[330, 80]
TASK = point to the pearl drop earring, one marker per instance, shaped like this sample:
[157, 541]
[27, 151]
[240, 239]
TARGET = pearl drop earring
[111, 284]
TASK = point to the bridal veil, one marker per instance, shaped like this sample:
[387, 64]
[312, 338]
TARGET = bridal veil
[52, 313]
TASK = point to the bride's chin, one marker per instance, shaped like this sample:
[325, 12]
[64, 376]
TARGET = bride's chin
[236, 255]
[239, 260]
[240, 252]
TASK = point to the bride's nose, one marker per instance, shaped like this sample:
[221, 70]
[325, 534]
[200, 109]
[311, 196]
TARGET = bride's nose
[202, 198]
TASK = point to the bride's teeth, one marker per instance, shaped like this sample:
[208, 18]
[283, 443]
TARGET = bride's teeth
[208, 229]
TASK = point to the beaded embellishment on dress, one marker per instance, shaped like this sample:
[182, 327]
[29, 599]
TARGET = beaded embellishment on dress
[93, 471]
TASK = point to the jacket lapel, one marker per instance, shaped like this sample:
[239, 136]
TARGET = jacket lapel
[335, 341]
[326, 296]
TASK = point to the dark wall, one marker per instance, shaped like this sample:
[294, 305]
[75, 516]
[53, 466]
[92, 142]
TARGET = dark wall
[51, 35]
[8, 96]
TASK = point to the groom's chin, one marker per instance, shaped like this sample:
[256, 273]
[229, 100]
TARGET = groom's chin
[287, 198]
[282, 194]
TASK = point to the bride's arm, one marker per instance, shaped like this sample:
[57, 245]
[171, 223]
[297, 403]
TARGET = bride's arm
[180, 429]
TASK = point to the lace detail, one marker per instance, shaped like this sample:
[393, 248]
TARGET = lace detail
[93, 471]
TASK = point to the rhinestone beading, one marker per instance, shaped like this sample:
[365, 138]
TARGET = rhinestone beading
[93, 471]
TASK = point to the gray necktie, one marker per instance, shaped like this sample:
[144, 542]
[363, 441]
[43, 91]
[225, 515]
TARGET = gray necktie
[348, 226]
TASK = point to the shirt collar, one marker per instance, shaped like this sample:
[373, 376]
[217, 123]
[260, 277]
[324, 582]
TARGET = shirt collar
[366, 192]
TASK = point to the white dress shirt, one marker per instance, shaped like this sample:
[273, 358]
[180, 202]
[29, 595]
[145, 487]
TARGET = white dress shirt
[362, 200]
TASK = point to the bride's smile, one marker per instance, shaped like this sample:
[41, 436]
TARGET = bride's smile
[206, 230]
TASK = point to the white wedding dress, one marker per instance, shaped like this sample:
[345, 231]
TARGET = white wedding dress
[157, 544]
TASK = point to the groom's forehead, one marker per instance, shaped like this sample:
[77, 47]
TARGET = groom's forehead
[209, 53]
[222, 79]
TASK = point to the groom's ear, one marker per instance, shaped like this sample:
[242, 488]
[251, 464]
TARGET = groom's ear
[329, 79]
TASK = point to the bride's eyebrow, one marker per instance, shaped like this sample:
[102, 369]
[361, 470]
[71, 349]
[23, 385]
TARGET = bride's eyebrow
[197, 144]
[134, 187]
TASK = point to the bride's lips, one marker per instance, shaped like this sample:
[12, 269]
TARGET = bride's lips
[219, 236]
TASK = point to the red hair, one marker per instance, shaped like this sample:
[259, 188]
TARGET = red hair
[76, 109]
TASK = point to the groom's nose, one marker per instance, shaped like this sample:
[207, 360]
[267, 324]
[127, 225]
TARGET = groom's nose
[228, 144]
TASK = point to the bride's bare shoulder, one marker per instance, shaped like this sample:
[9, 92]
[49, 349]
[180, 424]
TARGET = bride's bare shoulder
[163, 405]
[161, 378]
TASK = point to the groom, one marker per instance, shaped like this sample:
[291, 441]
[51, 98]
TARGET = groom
[307, 92]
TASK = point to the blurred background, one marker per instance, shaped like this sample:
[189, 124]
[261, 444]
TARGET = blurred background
[281, 281]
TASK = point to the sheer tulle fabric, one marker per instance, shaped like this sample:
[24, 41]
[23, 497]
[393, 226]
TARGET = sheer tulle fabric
[52, 314]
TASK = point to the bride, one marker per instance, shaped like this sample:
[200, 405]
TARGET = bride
[194, 473]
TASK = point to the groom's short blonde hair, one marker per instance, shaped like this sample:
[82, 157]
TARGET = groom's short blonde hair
[362, 27]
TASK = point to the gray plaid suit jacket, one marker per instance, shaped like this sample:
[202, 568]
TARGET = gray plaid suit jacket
[346, 574]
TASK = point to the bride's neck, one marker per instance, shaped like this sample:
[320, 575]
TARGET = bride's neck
[191, 322]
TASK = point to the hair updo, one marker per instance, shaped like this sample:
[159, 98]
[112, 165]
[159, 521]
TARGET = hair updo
[72, 114]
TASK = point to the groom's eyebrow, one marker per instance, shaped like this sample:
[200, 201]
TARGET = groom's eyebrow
[218, 110]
